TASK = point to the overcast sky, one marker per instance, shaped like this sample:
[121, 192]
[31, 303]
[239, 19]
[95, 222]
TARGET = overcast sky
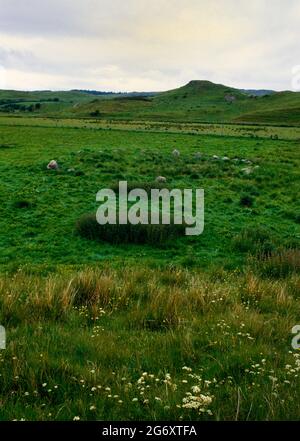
[148, 45]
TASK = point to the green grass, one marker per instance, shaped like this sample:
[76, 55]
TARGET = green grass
[43, 232]
[201, 101]
[85, 319]
[130, 344]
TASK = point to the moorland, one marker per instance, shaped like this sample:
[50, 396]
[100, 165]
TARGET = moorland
[195, 327]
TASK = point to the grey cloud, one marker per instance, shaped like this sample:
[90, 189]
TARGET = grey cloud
[115, 44]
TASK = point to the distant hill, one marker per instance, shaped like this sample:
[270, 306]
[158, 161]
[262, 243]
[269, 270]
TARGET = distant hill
[114, 94]
[197, 101]
[200, 87]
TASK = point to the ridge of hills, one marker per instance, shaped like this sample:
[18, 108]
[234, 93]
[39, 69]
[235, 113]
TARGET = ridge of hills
[197, 101]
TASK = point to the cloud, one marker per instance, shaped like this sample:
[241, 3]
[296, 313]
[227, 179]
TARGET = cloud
[142, 45]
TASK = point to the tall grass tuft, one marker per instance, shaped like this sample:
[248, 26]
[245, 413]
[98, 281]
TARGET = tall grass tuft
[90, 287]
[278, 264]
[254, 240]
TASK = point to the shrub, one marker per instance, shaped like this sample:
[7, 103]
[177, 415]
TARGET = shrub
[246, 200]
[96, 113]
[88, 227]
[22, 203]
[254, 240]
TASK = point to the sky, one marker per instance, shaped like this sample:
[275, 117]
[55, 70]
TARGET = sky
[148, 45]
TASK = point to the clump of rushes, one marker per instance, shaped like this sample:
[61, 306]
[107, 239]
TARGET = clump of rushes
[278, 264]
[88, 227]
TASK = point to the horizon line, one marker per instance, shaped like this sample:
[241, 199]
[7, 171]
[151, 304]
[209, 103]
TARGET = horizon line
[144, 91]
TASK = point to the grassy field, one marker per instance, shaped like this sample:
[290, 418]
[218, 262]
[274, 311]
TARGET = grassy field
[217, 129]
[149, 344]
[193, 328]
